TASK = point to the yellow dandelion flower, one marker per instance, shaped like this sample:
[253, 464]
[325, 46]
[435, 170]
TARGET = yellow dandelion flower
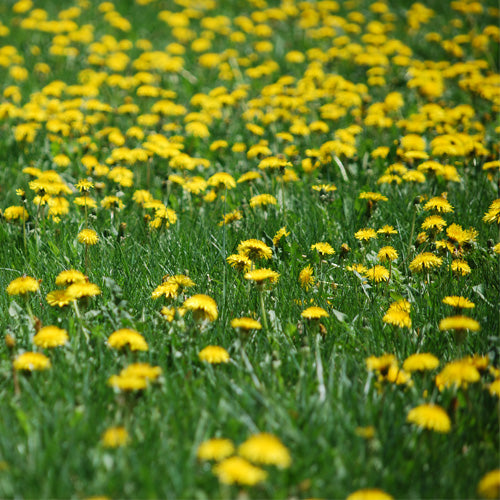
[365, 234]
[398, 376]
[494, 388]
[254, 249]
[70, 276]
[263, 200]
[457, 374]
[387, 230]
[365, 432]
[15, 213]
[369, 494]
[489, 486]
[280, 234]
[425, 261]
[167, 290]
[82, 289]
[368, 195]
[114, 437]
[439, 204]
[23, 285]
[50, 336]
[32, 361]
[431, 417]
[323, 248]
[314, 312]
[88, 237]
[420, 362]
[127, 383]
[459, 323]
[237, 470]
[246, 324]
[306, 277]
[387, 253]
[324, 188]
[215, 449]
[222, 180]
[203, 307]
[84, 185]
[266, 449]
[381, 363]
[127, 337]
[460, 266]
[435, 222]
[260, 276]
[249, 176]
[239, 262]
[141, 370]
[233, 216]
[397, 317]
[377, 274]
[59, 298]
[214, 354]
[493, 213]
[458, 302]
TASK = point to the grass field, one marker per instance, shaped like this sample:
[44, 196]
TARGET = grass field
[249, 249]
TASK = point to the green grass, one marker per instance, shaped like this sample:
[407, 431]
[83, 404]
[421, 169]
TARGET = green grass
[312, 390]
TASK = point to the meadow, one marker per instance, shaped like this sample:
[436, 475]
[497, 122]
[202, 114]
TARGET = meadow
[249, 249]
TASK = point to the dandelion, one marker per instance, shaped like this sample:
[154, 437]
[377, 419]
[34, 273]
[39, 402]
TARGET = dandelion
[369, 494]
[387, 253]
[260, 276]
[15, 213]
[460, 267]
[203, 307]
[396, 375]
[127, 337]
[489, 486]
[233, 216]
[425, 261]
[70, 276]
[82, 289]
[127, 383]
[323, 248]
[23, 285]
[380, 364]
[306, 277]
[314, 312]
[266, 449]
[420, 362]
[434, 222]
[84, 185]
[387, 230]
[397, 317]
[281, 233]
[167, 290]
[88, 237]
[239, 262]
[32, 361]
[115, 437]
[59, 298]
[458, 302]
[254, 249]
[493, 213]
[214, 354]
[50, 336]
[141, 370]
[238, 470]
[246, 324]
[263, 200]
[365, 234]
[377, 274]
[457, 374]
[459, 323]
[431, 417]
[215, 449]
[439, 204]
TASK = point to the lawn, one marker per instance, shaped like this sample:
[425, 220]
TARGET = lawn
[249, 249]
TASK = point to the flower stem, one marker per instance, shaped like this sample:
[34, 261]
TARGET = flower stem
[263, 310]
